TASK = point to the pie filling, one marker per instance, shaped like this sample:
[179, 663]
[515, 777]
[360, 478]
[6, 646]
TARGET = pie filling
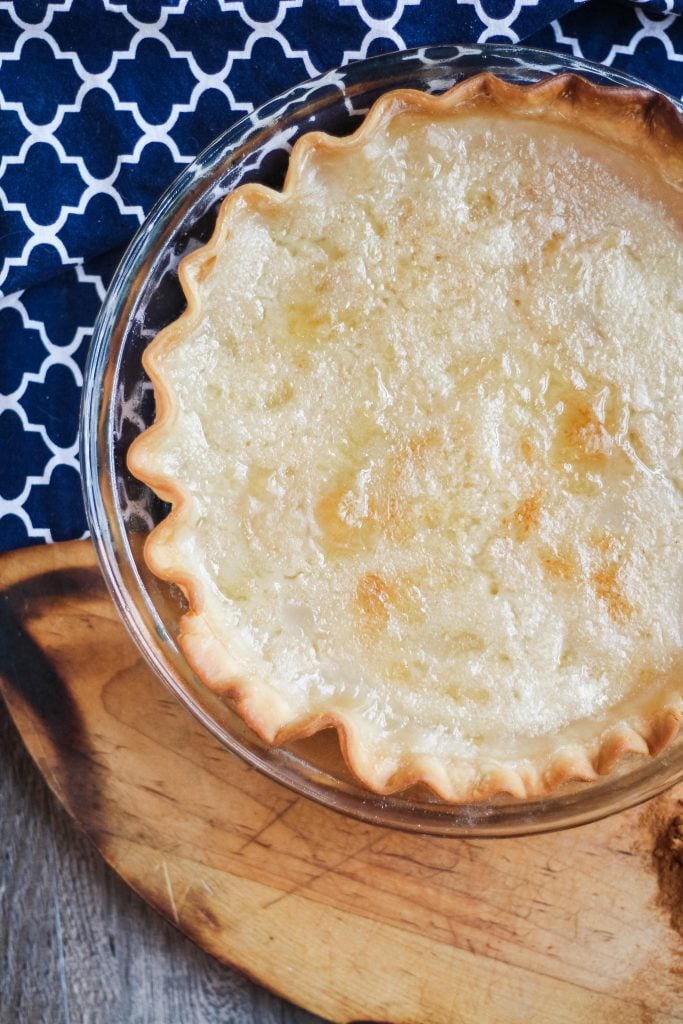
[426, 425]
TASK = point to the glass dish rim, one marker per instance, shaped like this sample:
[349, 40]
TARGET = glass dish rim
[594, 800]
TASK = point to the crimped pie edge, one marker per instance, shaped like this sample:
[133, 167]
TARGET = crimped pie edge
[631, 118]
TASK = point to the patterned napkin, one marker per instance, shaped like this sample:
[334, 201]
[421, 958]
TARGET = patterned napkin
[101, 105]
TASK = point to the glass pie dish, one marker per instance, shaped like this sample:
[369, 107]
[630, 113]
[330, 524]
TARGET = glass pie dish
[145, 295]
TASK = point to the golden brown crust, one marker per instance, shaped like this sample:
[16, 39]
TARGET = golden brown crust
[631, 119]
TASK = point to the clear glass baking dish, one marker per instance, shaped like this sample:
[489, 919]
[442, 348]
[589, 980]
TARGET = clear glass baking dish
[118, 403]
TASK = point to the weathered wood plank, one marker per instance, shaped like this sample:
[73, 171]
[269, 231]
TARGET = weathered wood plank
[77, 946]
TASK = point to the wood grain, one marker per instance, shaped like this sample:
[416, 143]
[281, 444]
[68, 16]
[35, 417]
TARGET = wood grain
[350, 921]
[77, 946]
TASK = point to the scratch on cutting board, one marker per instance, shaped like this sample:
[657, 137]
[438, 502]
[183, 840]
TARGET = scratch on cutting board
[169, 889]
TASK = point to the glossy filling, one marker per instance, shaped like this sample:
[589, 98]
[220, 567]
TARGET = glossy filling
[431, 423]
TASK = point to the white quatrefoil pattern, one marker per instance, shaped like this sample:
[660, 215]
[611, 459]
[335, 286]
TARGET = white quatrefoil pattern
[101, 105]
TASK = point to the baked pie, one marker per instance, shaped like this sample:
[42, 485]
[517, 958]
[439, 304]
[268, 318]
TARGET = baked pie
[421, 430]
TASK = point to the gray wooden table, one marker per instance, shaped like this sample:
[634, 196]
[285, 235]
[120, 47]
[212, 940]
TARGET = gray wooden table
[78, 947]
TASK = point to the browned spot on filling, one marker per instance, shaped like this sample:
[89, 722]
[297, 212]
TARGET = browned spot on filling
[307, 321]
[606, 542]
[417, 448]
[527, 450]
[279, 396]
[584, 435]
[559, 564]
[374, 597]
[328, 516]
[606, 583]
[342, 529]
[311, 324]
[399, 671]
[588, 419]
[481, 203]
[468, 643]
[373, 497]
[525, 518]
[398, 504]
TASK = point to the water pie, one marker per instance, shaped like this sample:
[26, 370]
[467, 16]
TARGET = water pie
[421, 430]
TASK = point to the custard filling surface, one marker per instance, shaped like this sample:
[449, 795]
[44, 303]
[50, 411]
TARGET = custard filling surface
[429, 425]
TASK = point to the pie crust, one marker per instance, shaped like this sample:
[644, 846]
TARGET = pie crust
[420, 427]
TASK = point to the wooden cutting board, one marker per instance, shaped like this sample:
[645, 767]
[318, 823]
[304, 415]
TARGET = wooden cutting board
[353, 922]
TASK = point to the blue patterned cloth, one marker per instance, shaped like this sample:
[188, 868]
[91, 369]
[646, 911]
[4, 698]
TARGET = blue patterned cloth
[103, 102]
